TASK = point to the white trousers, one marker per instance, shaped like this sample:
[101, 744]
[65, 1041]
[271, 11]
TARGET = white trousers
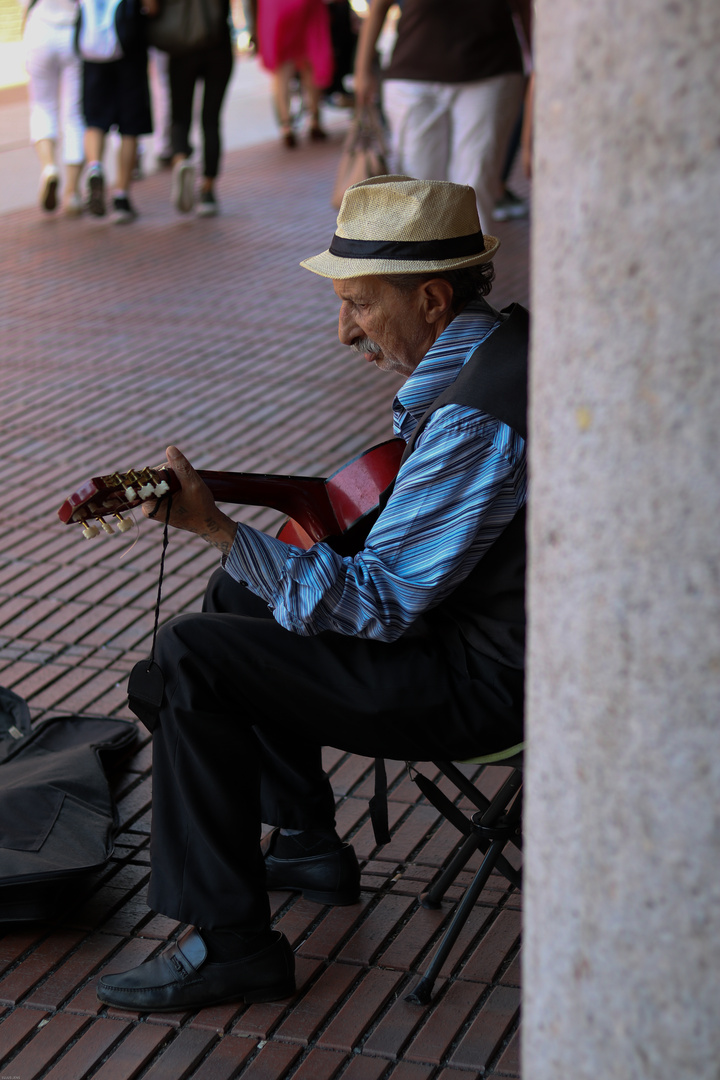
[454, 131]
[55, 72]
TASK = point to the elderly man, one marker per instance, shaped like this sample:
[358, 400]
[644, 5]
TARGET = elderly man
[412, 648]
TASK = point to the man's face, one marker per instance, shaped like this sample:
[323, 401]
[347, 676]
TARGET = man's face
[385, 325]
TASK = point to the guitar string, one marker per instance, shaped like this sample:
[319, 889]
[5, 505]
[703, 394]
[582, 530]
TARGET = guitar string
[136, 527]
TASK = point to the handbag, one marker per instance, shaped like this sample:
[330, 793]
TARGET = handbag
[183, 26]
[363, 154]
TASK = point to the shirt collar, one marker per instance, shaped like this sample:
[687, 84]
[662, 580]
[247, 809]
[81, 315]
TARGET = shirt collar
[441, 364]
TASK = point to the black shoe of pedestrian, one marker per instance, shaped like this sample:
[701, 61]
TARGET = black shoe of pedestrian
[123, 210]
[207, 206]
[182, 978]
[330, 876]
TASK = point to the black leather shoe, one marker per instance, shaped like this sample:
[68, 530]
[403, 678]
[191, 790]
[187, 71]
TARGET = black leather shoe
[329, 878]
[181, 978]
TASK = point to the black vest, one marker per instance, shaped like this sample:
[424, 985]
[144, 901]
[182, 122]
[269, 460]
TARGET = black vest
[489, 605]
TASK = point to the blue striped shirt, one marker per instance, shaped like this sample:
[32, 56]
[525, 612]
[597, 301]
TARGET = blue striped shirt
[453, 496]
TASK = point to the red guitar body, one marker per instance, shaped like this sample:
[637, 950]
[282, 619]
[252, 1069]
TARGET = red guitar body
[339, 509]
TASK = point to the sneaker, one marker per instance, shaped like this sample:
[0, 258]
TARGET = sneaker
[510, 206]
[123, 211]
[183, 187]
[207, 207]
[96, 191]
[48, 187]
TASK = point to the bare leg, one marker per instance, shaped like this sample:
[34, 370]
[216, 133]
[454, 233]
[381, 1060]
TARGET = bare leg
[72, 202]
[281, 94]
[45, 150]
[127, 156]
[312, 97]
[72, 179]
[94, 145]
[311, 93]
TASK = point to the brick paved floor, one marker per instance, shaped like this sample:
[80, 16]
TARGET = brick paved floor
[116, 341]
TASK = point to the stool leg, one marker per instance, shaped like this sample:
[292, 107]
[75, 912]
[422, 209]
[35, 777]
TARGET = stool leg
[423, 991]
[431, 897]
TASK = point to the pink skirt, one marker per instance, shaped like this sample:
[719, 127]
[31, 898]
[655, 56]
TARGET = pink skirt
[295, 31]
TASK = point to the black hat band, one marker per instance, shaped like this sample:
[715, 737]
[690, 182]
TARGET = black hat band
[452, 247]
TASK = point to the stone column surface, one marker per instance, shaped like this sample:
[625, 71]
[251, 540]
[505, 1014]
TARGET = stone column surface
[622, 815]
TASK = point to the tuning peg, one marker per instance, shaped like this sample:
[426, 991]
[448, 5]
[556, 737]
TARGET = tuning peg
[89, 531]
[130, 494]
[152, 490]
[122, 523]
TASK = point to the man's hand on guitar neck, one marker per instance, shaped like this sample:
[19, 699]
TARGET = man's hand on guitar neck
[193, 507]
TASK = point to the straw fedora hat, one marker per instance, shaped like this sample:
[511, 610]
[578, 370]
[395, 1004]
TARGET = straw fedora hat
[400, 225]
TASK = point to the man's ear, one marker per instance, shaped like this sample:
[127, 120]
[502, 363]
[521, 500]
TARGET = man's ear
[437, 295]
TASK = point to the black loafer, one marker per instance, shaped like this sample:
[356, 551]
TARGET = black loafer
[329, 878]
[179, 978]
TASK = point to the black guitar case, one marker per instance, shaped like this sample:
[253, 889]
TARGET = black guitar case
[57, 816]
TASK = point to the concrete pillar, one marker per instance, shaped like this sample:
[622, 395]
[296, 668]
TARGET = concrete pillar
[622, 888]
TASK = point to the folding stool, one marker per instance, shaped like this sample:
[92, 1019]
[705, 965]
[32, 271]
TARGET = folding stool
[496, 823]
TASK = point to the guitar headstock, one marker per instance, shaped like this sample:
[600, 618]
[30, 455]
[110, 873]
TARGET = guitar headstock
[110, 496]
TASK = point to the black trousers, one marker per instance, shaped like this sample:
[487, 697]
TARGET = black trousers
[247, 708]
[212, 65]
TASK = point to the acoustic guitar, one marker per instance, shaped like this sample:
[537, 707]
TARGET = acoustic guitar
[339, 509]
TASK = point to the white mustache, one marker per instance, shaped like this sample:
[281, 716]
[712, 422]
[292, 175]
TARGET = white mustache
[365, 345]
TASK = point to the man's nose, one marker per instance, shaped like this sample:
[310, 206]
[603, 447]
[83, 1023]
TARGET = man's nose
[347, 327]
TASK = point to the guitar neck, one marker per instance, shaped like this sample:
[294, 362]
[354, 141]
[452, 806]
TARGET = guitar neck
[321, 508]
[303, 498]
